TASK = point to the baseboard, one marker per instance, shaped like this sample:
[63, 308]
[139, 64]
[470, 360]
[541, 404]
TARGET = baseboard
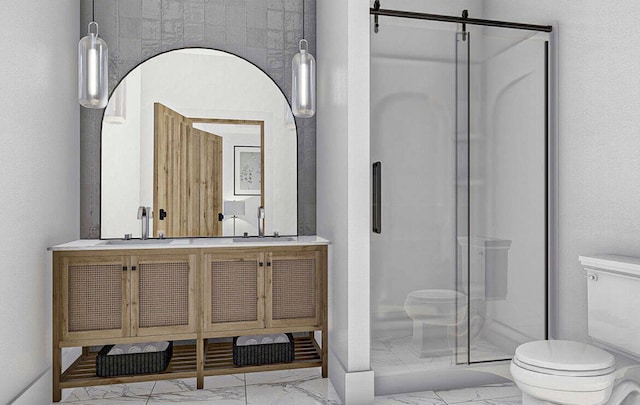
[39, 390]
[353, 388]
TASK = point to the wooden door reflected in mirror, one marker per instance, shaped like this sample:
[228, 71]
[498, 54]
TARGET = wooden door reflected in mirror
[188, 173]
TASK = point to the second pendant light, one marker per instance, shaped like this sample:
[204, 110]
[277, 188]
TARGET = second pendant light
[303, 79]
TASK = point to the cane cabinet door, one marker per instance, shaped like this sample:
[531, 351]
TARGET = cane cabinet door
[94, 293]
[163, 294]
[233, 284]
[294, 284]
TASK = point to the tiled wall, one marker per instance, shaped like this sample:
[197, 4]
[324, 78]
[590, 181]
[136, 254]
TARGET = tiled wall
[265, 32]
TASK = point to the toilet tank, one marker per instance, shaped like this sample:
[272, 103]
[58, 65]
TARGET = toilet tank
[613, 285]
[488, 264]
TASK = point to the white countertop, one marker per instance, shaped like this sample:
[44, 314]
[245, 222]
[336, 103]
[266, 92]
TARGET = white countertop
[185, 243]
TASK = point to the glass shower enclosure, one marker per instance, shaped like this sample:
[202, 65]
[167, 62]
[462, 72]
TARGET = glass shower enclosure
[460, 160]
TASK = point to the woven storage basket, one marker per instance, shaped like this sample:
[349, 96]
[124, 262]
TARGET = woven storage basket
[269, 353]
[132, 363]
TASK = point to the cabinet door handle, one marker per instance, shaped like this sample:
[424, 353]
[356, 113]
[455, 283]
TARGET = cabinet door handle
[260, 264]
[133, 268]
[268, 264]
[124, 268]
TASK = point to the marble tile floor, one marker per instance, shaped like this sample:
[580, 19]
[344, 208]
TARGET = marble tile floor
[397, 352]
[285, 387]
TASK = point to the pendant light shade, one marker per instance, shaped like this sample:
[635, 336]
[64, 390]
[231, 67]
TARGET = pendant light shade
[93, 75]
[303, 71]
[303, 79]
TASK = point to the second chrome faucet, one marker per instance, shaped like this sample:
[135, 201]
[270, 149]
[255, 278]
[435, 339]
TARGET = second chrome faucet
[143, 216]
[261, 222]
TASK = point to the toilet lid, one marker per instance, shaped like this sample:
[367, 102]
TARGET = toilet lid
[436, 295]
[564, 355]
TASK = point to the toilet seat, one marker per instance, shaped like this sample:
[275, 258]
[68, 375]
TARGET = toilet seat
[436, 306]
[567, 373]
[564, 356]
[563, 366]
[436, 296]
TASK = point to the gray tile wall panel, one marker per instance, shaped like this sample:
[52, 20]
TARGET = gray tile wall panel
[265, 32]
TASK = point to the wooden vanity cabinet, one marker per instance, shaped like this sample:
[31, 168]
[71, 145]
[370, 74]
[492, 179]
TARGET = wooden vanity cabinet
[264, 290]
[250, 289]
[111, 295]
[144, 295]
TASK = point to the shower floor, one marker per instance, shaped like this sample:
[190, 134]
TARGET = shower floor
[397, 352]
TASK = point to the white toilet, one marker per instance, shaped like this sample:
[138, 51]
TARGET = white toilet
[433, 313]
[440, 315]
[573, 373]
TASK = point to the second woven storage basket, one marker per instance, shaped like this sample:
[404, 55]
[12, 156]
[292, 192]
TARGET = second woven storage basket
[269, 353]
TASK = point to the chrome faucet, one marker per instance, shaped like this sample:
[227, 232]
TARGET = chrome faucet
[143, 216]
[261, 222]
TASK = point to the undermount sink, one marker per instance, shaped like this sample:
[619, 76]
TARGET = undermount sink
[113, 242]
[266, 239]
[194, 241]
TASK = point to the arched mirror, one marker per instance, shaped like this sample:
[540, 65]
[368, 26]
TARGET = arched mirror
[204, 138]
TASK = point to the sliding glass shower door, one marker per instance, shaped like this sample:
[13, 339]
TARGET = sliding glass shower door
[416, 303]
[463, 173]
[507, 248]
[459, 143]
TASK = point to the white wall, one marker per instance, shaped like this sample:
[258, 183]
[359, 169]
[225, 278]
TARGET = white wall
[599, 136]
[343, 187]
[39, 177]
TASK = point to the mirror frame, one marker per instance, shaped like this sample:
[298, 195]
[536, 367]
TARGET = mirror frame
[210, 120]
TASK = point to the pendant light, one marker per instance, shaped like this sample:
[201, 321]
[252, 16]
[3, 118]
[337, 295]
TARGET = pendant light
[93, 75]
[303, 75]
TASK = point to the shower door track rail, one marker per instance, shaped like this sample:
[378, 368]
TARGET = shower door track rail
[460, 20]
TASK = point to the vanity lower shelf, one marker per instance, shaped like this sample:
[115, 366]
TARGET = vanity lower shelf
[218, 361]
[219, 358]
[82, 373]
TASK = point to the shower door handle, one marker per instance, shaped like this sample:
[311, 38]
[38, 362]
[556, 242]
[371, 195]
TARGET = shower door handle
[377, 197]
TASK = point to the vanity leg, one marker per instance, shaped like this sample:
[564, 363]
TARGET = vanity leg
[325, 351]
[200, 354]
[57, 371]
[325, 313]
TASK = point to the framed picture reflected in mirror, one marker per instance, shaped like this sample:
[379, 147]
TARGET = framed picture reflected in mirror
[247, 170]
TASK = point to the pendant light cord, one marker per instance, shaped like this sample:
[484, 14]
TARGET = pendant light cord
[93, 10]
[303, 1]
